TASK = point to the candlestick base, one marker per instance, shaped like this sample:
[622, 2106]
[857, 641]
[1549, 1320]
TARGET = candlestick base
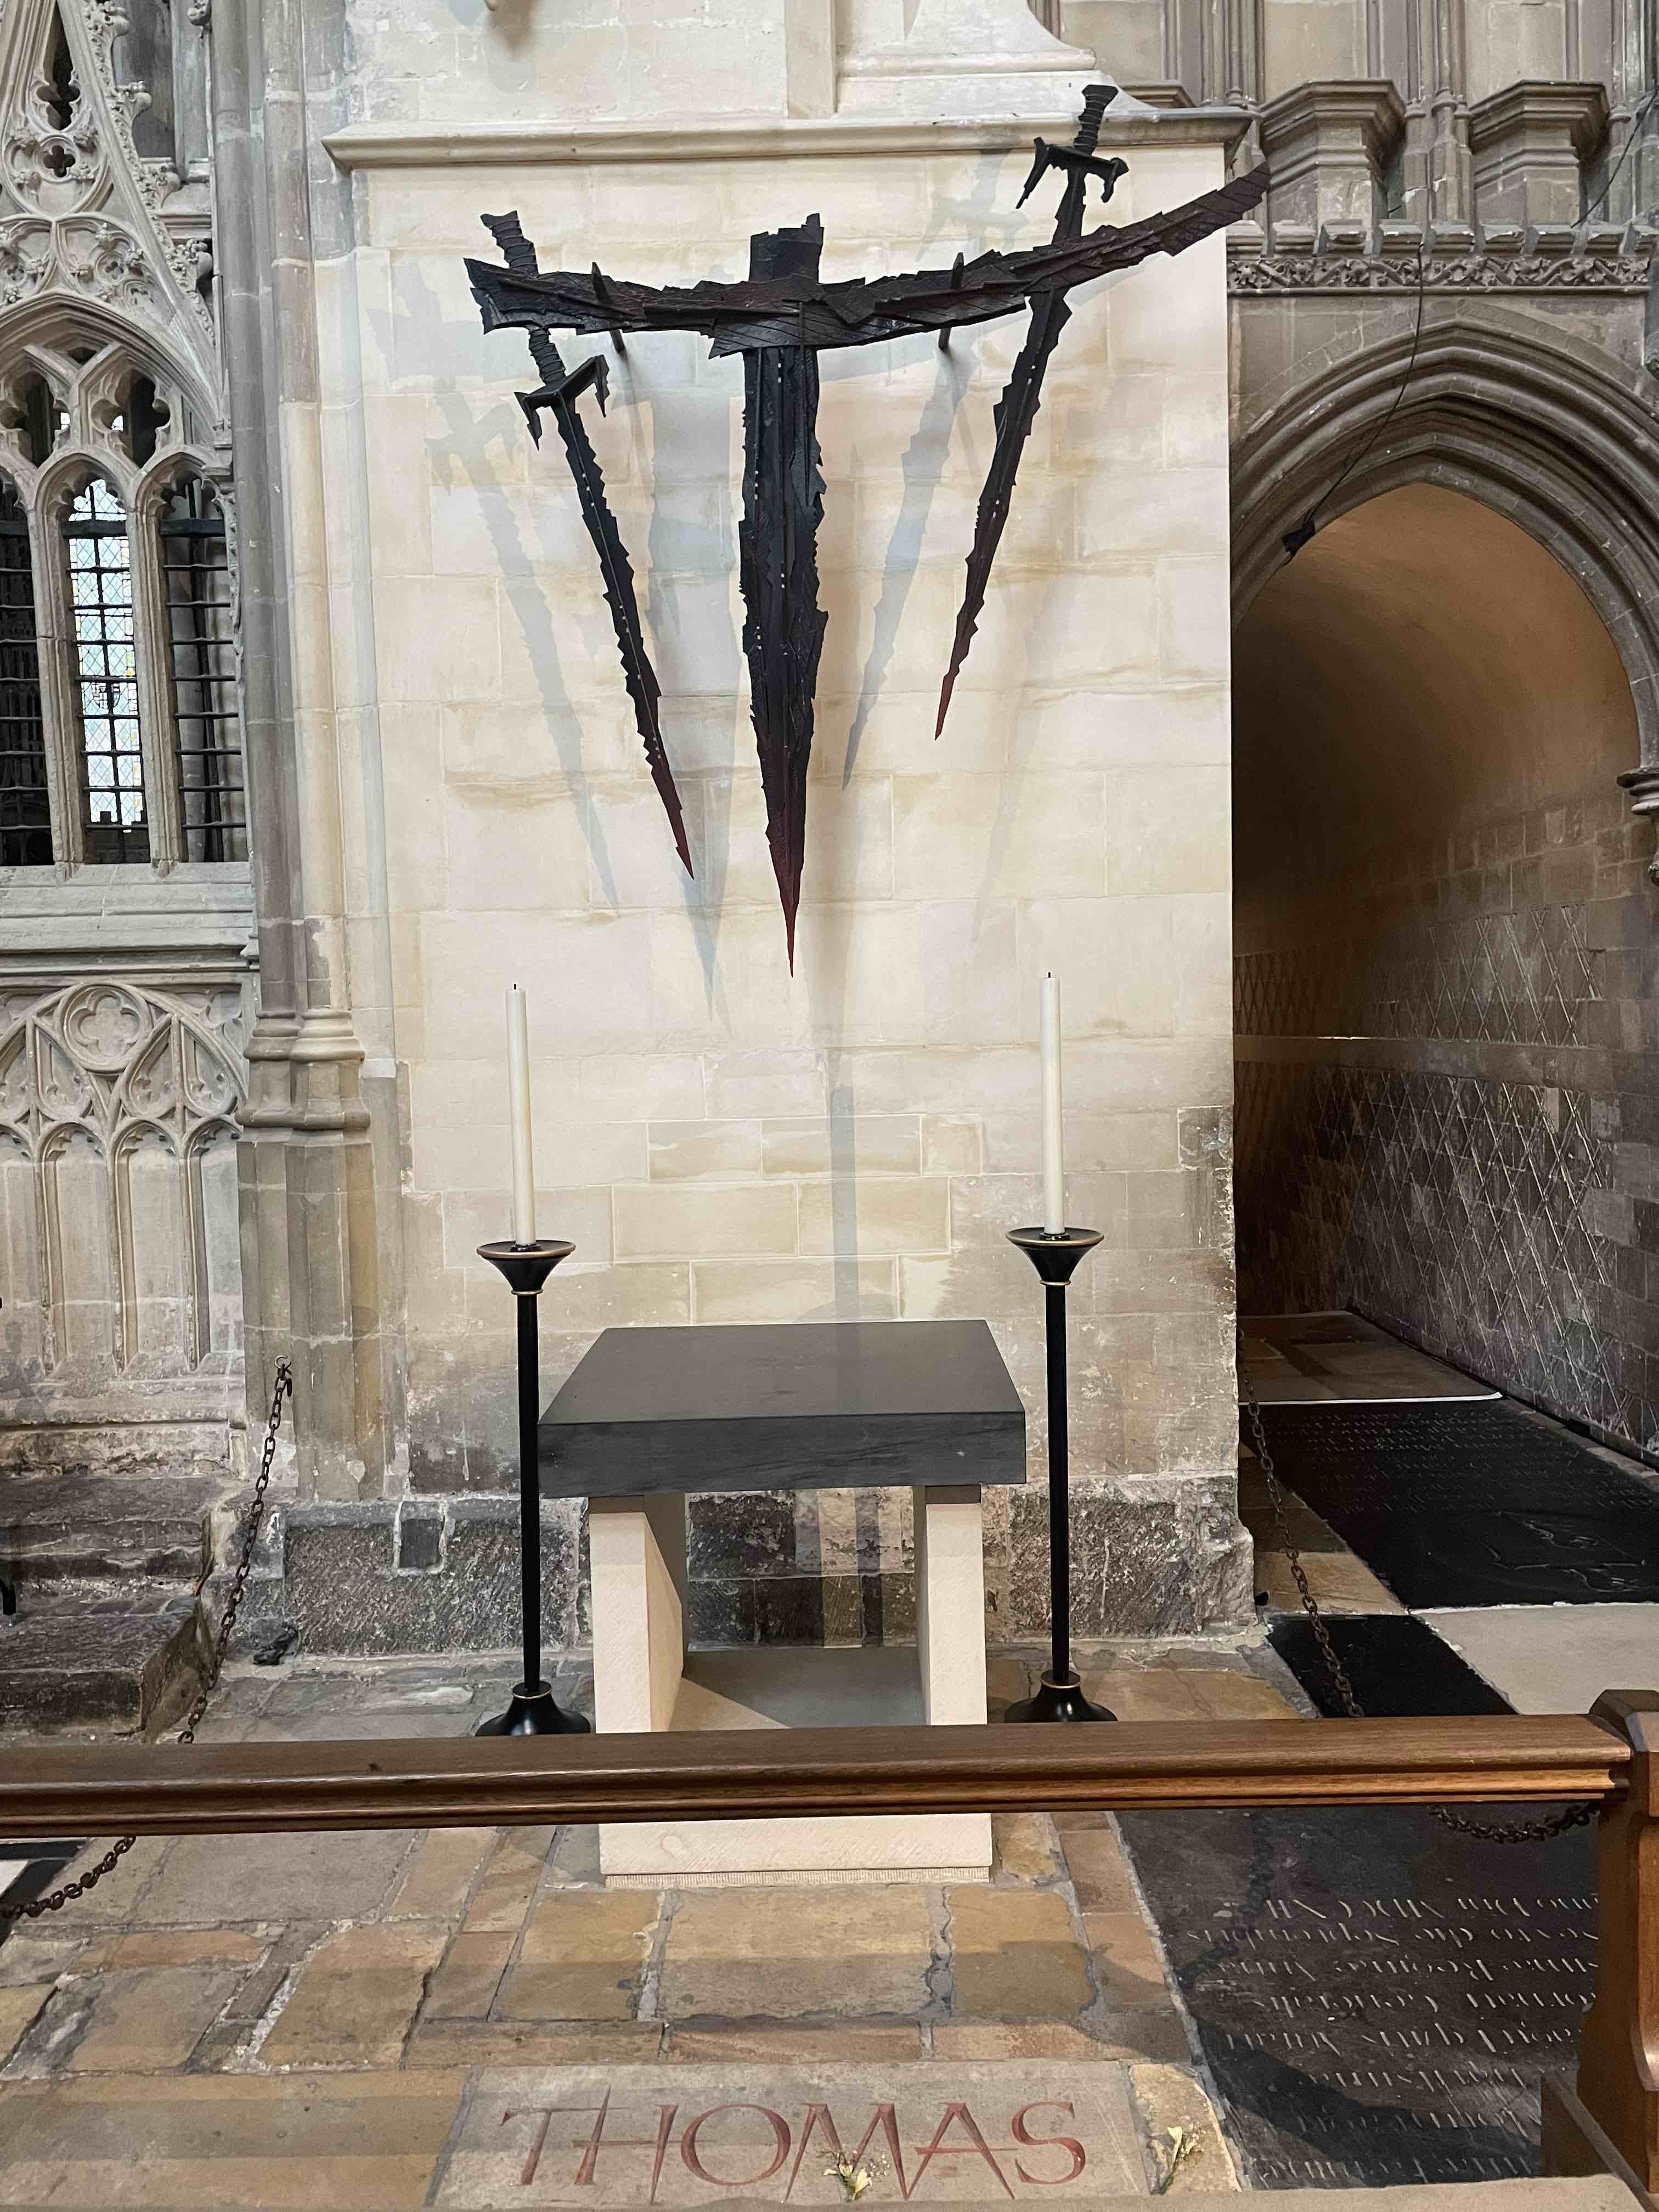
[527, 1266]
[533, 1713]
[1062, 1700]
[1056, 1254]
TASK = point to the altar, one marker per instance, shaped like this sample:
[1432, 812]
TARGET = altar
[650, 1415]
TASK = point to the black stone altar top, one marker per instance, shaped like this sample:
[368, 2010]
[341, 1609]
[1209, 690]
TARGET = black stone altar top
[787, 1406]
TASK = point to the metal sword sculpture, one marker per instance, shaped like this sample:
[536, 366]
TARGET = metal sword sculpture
[780, 320]
[1016, 409]
[558, 393]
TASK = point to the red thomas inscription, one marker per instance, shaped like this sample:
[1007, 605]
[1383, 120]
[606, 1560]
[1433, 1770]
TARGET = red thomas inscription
[1028, 2147]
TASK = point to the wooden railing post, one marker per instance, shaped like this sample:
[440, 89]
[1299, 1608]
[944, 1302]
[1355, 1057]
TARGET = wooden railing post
[1619, 2047]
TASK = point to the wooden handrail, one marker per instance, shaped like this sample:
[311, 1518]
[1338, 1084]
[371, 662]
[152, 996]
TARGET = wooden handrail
[470, 1782]
[1612, 1758]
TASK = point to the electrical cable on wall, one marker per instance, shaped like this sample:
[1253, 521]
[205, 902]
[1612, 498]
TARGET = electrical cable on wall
[1294, 540]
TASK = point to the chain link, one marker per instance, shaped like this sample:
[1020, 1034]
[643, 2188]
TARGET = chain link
[283, 1388]
[1492, 1831]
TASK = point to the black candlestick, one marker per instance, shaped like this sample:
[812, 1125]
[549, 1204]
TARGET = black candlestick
[532, 1710]
[1055, 1255]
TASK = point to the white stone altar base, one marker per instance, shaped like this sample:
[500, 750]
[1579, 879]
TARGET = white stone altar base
[643, 1680]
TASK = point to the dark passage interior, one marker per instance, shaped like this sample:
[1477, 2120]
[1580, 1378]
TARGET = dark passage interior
[1448, 1094]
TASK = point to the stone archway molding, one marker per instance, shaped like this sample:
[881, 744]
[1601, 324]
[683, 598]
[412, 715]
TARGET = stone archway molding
[1554, 438]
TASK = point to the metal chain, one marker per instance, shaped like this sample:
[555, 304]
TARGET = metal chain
[1518, 1832]
[283, 1388]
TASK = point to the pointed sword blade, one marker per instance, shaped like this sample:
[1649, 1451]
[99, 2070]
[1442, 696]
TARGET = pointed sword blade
[617, 573]
[615, 568]
[1016, 411]
[783, 625]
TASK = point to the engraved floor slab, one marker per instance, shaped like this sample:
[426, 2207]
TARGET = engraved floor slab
[933, 2134]
[1376, 1996]
[1457, 1505]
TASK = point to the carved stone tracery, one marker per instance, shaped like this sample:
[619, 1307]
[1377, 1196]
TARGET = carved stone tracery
[99, 1073]
[81, 210]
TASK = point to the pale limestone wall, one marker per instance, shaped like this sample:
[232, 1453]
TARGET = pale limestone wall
[723, 1143]
[604, 60]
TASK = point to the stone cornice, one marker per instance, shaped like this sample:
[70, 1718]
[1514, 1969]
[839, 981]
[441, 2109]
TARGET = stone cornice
[1370, 108]
[759, 138]
[1578, 112]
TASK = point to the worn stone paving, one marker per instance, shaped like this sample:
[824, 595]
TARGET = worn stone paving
[280, 2019]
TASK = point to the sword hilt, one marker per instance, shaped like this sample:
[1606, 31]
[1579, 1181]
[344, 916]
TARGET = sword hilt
[1096, 99]
[519, 255]
[1078, 159]
[511, 243]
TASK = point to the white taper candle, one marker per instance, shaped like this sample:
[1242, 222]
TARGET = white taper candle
[1054, 1165]
[518, 1085]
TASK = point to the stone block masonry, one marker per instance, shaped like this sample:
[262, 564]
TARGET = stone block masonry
[1455, 1130]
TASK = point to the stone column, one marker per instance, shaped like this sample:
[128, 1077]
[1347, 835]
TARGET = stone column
[956, 59]
[1439, 174]
[1635, 189]
[1240, 74]
[309, 1256]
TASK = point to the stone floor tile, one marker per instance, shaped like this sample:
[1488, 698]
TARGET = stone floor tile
[1232, 1697]
[437, 1880]
[782, 1953]
[27, 1957]
[1157, 2034]
[1127, 1961]
[356, 1996]
[1008, 1677]
[115, 1899]
[1169, 2097]
[1339, 1581]
[1100, 1874]
[20, 2007]
[509, 1879]
[1147, 1693]
[175, 1947]
[464, 1985]
[1016, 2039]
[787, 2042]
[290, 1947]
[583, 1956]
[1014, 1954]
[307, 2140]
[1023, 1847]
[146, 2022]
[574, 1857]
[527, 2043]
[217, 1881]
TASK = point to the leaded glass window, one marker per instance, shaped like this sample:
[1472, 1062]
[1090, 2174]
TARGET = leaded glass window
[196, 570]
[98, 554]
[25, 802]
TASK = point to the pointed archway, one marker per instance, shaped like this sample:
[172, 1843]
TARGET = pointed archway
[1445, 941]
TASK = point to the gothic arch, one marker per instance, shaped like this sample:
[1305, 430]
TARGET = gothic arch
[1553, 436]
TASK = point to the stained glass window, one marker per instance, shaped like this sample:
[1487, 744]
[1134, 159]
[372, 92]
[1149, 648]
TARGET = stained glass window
[25, 805]
[99, 557]
[196, 570]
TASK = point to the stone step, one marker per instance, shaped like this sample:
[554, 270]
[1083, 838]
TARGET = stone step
[58, 1524]
[79, 1653]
